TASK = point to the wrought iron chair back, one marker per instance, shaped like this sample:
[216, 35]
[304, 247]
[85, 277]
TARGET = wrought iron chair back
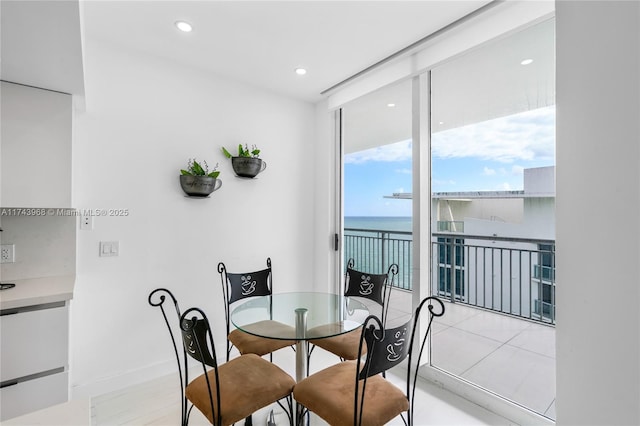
[198, 343]
[375, 287]
[415, 353]
[238, 286]
[164, 299]
[196, 338]
[387, 347]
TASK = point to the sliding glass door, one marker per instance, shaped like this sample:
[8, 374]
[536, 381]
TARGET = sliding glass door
[486, 217]
[493, 224]
[377, 164]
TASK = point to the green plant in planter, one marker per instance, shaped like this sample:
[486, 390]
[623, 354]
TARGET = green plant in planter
[247, 163]
[196, 169]
[197, 181]
[243, 151]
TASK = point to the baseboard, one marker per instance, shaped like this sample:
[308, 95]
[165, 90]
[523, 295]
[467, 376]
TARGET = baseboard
[120, 381]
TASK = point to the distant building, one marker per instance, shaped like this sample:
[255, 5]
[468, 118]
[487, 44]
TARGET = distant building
[501, 245]
[529, 213]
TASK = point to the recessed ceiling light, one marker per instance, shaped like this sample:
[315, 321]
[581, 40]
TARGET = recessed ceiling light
[526, 61]
[301, 71]
[184, 26]
[391, 105]
[440, 122]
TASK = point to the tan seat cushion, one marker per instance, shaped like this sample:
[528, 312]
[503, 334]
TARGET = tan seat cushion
[344, 345]
[330, 394]
[247, 383]
[247, 343]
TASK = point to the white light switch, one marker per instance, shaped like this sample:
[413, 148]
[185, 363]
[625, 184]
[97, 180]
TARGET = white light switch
[109, 248]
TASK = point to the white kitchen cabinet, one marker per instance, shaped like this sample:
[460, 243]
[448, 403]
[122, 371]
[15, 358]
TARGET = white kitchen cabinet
[36, 134]
[34, 362]
[32, 395]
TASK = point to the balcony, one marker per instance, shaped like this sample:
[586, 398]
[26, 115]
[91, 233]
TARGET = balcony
[450, 226]
[498, 330]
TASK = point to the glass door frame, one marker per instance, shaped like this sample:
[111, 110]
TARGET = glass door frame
[421, 229]
[338, 237]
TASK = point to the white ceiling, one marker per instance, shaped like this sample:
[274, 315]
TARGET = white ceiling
[262, 42]
[483, 84]
[256, 42]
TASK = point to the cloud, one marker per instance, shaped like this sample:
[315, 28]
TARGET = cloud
[521, 137]
[399, 151]
[404, 171]
[488, 172]
[517, 170]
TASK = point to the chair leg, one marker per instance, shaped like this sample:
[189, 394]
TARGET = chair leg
[304, 413]
[271, 421]
[310, 349]
[288, 410]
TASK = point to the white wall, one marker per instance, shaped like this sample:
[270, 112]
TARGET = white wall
[144, 118]
[598, 274]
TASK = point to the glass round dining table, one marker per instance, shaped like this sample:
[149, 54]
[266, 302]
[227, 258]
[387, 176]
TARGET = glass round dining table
[299, 316]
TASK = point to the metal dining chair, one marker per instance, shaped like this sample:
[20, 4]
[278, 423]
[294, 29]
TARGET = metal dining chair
[355, 392]
[374, 287]
[237, 286]
[224, 393]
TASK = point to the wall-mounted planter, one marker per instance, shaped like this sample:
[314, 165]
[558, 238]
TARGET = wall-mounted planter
[199, 186]
[248, 167]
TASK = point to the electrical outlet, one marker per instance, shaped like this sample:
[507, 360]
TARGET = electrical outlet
[86, 222]
[7, 253]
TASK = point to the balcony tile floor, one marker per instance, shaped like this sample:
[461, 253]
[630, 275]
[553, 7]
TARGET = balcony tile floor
[508, 356]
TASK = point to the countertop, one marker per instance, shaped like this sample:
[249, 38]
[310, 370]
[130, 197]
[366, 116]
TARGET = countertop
[37, 291]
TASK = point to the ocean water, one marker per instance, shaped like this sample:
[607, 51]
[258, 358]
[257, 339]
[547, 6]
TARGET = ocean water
[375, 242]
[384, 223]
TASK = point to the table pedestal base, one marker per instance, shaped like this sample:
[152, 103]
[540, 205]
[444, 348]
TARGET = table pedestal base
[302, 347]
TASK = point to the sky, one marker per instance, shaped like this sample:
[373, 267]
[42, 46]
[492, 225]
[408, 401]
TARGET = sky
[487, 156]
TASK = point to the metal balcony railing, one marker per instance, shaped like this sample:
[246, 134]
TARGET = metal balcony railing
[515, 276]
[374, 250]
[546, 273]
